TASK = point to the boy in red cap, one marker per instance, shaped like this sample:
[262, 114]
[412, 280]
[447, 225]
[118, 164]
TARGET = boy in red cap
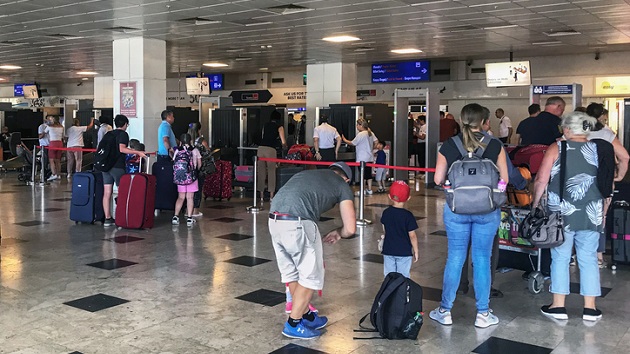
[400, 244]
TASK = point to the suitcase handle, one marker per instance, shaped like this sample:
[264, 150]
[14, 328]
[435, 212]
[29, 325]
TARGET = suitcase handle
[140, 164]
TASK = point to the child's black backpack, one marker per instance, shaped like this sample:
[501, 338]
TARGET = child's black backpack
[397, 309]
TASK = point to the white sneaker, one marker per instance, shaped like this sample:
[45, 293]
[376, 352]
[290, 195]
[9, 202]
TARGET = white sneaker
[52, 178]
[486, 319]
[441, 316]
[69, 177]
[190, 221]
[175, 220]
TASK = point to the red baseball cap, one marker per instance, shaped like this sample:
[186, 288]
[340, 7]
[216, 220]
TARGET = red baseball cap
[399, 191]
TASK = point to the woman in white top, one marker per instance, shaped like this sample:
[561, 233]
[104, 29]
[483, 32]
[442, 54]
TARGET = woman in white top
[75, 140]
[364, 143]
[55, 135]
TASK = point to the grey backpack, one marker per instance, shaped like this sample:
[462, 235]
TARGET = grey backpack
[474, 183]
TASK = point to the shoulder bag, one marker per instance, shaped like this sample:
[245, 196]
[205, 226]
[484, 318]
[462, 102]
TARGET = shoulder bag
[543, 228]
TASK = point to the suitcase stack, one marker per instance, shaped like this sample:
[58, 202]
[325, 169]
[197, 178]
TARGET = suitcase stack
[166, 190]
[219, 184]
[87, 197]
[136, 201]
[245, 174]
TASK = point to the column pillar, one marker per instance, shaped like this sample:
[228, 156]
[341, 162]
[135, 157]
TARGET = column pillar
[141, 61]
[328, 84]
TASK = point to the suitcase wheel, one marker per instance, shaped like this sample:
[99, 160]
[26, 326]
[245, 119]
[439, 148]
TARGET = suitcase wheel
[535, 283]
[613, 267]
[156, 212]
[76, 223]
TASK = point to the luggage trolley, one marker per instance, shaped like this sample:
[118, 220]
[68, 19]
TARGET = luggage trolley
[509, 240]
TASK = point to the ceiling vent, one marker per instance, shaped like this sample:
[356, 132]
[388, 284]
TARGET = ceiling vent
[462, 28]
[569, 32]
[250, 22]
[199, 21]
[123, 29]
[288, 9]
[63, 36]
[10, 43]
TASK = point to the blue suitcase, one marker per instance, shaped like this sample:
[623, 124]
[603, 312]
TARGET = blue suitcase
[87, 197]
[166, 190]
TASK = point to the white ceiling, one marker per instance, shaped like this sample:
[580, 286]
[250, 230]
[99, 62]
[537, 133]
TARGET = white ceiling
[38, 34]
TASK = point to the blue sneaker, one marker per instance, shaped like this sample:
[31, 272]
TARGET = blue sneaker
[300, 331]
[318, 322]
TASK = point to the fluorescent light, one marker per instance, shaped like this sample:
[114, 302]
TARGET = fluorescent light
[87, 73]
[430, 2]
[10, 67]
[499, 27]
[203, 21]
[341, 39]
[406, 51]
[1, 79]
[562, 33]
[546, 43]
[263, 69]
[243, 58]
[215, 65]
[85, 79]
[258, 24]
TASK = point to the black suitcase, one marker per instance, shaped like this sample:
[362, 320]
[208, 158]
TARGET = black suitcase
[620, 233]
[87, 197]
[284, 174]
[166, 190]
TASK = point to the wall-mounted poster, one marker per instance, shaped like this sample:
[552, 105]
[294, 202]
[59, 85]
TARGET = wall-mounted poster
[511, 73]
[198, 86]
[128, 99]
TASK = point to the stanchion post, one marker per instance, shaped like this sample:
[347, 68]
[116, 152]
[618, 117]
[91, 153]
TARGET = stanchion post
[361, 221]
[254, 208]
[42, 174]
[33, 167]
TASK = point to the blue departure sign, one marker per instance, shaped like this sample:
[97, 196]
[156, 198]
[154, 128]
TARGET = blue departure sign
[402, 71]
[553, 90]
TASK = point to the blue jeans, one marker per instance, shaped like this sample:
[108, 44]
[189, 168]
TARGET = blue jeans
[460, 231]
[586, 242]
[397, 264]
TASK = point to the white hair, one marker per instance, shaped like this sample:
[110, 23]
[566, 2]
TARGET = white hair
[578, 123]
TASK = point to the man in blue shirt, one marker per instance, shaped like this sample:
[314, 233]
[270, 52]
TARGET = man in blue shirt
[166, 137]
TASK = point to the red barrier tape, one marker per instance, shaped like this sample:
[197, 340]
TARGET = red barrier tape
[401, 168]
[82, 149]
[328, 163]
[301, 162]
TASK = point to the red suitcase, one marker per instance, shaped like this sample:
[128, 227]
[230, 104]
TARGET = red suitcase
[219, 184]
[531, 156]
[136, 201]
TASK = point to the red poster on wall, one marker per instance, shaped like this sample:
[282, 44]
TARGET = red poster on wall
[128, 99]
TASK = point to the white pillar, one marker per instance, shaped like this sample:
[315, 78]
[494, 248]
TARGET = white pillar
[103, 92]
[143, 61]
[328, 84]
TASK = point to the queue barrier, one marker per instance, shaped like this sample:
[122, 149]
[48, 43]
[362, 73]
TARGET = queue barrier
[42, 179]
[361, 221]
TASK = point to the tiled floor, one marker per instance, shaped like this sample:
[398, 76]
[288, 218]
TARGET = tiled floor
[215, 288]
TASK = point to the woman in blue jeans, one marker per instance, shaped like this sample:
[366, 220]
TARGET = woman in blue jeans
[463, 229]
[582, 213]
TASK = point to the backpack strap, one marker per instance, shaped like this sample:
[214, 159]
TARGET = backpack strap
[460, 146]
[563, 168]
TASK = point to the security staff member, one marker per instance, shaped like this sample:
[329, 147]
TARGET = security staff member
[326, 140]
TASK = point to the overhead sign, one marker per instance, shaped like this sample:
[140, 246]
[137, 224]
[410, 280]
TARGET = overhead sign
[553, 90]
[612, 85]
[30, 91]
[401, 72]
[198, 86]
[253, 96]
[366, 93]
[511, 73]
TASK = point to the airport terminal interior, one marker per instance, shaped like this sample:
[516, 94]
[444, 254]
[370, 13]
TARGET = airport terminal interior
[214, 287]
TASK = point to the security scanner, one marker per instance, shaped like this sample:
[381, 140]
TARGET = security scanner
[402, 99]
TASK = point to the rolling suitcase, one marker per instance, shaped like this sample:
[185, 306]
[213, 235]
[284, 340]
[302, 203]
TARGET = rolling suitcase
[219, 184]
[166, 190]
[87, 197]
[136, 201]
[620, 234]
[245, 174]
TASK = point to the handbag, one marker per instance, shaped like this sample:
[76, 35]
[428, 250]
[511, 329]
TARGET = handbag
[542, 228]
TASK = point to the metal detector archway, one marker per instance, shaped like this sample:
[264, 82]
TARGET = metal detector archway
[401, 108]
